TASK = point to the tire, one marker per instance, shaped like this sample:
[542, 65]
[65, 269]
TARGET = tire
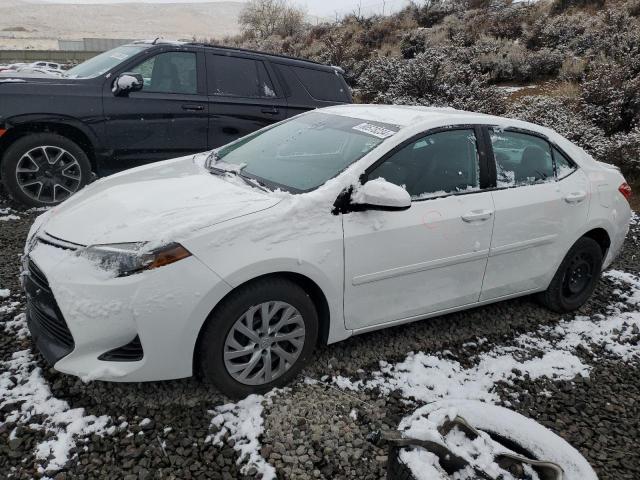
[559, 296]
[42, 182]
[396, 468]
[514, 431]
[222, 336]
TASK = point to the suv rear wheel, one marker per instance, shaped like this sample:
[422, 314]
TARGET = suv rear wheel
[44, 169]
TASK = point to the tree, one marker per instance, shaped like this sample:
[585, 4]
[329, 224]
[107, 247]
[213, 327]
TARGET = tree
[263, 18]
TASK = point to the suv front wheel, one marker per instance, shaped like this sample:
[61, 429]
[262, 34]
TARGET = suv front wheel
[44, 169]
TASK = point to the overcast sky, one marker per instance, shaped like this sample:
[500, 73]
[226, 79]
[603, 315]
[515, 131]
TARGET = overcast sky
[325, 8]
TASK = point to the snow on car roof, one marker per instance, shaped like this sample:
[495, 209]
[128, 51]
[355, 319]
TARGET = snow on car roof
[408, 115]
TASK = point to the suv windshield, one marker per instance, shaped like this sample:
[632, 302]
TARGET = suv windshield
[104, 62]
[303, 153]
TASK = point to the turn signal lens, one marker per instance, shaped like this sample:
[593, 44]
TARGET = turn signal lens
[625, 190]
[3, 131]
[170, 254]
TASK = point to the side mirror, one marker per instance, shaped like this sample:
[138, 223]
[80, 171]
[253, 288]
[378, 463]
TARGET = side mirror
[125, 83]
[379, 194]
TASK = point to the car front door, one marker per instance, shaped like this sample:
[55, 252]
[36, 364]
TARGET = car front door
[243, 96]
[432, 256]
[542, 202]
[167, 118]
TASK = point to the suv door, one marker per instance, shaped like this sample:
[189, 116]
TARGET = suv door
[243, 96]
[168, 118]
[541, 200]
[431, 257]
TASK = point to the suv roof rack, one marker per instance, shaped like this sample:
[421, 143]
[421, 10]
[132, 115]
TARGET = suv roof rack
[248, 50]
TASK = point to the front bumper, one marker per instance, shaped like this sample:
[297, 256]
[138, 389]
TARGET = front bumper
[46, 323]
[89, 315]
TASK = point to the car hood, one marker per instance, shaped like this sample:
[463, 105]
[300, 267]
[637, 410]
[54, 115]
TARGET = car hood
[163, 202]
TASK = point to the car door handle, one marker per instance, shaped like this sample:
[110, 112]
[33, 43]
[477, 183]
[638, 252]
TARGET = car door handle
[270, 111]
[193, 108]
[477, 216]
[575, 197]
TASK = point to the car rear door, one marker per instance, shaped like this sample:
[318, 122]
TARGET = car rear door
[431, 257]
[541, 201]
[168, 117]
[243, 96]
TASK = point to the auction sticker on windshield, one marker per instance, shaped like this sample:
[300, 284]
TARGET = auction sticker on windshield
[375, 130]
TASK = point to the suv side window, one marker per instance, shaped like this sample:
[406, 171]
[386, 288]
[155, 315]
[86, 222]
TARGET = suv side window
[437, 164]
[321, 85]
[238, 77]
[564, 166]
[169, 72]
[521, 159]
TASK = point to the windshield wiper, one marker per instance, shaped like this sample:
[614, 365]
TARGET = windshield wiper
[254, 182]
[213, 159]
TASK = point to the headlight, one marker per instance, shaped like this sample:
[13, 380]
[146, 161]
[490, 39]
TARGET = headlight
[128, 258]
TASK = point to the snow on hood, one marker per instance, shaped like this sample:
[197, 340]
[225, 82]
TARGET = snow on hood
[175, 198]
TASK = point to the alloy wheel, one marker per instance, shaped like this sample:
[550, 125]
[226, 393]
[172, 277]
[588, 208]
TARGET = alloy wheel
[48, 174]
[264, 343]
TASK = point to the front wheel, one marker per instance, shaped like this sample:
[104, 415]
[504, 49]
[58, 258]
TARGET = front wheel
[576, 278]
[44, 169]
[258, 338]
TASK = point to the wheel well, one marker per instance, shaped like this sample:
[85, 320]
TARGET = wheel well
[72, 133]
[601, 236]
[309, 286]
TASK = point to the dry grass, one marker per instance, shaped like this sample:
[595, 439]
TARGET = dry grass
[550, 89]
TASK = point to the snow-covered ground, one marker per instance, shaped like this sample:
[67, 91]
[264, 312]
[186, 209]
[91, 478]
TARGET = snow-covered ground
[564, 351]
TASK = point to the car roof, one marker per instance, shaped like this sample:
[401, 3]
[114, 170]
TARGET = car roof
[421, 116]
[272, 56]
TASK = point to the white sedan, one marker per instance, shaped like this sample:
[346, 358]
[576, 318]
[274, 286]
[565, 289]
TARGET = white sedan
[236, 263]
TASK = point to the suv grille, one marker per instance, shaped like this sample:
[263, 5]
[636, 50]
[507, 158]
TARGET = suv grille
[47, 325]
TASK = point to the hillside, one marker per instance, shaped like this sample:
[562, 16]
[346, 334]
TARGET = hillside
[572, 65]
[33, 25]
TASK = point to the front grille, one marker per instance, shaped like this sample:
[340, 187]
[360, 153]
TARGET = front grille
[46, 323]
[131, 352]
[55, 327]
[37, 276]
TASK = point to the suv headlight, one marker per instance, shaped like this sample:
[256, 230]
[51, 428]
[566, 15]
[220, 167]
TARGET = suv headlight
[129, 258]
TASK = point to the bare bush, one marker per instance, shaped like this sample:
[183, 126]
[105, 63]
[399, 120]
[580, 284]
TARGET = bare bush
[264, 18]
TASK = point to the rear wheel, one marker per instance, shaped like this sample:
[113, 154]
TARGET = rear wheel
[259, 337]
[576, 277]
[44, 169]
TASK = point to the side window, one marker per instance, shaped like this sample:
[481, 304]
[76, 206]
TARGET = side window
[564, 166]
[321, 85]
[239, 77]
[170, 72]
[440, 163]
[521, 159]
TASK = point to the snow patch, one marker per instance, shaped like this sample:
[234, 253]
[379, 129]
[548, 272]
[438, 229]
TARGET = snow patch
[549, 352]
[25, 393]
[243, 423]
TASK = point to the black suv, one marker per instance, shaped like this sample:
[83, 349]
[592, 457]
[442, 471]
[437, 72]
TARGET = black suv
[144, 102]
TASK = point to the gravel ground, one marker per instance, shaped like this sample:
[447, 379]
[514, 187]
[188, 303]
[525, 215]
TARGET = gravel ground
[314, 429]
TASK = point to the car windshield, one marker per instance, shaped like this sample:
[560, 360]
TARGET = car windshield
[104, 62]
[303, 153]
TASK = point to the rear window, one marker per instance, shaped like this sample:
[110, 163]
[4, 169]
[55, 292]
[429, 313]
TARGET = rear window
[327, 86]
